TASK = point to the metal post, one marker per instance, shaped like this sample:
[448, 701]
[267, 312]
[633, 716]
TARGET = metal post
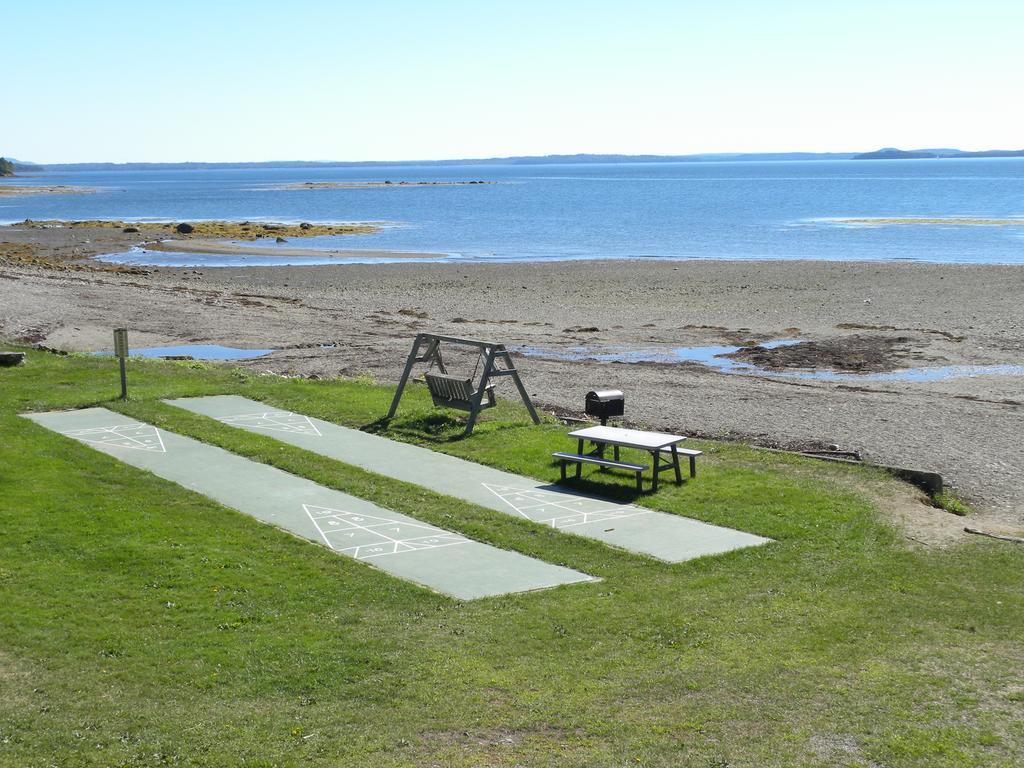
[675, 464]
[121, 350]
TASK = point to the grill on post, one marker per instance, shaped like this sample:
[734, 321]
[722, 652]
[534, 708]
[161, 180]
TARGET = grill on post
[604, 403]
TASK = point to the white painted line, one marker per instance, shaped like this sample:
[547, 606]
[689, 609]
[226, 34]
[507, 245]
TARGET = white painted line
[417, 548]
[497, 491]
[141, 437]
[557, 522]
[571, 505]
[278, 421]
[434, 538]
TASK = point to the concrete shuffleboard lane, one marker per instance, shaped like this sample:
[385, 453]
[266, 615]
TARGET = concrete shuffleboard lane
[672, 538]
[400, 545]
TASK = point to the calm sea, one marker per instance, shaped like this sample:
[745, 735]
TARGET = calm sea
[742, 210]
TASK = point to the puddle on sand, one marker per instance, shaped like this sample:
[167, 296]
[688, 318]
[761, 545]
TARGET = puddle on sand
[714, 357]
[198, 352]
[938, 373]
[710, 356]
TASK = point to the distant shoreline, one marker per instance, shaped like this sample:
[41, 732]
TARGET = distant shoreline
[24, 190]
[575, 159]
[302, 185]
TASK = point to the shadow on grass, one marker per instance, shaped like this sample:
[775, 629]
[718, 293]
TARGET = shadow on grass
[585, 486]
[438, 427]
[377, 426]
[434, 426]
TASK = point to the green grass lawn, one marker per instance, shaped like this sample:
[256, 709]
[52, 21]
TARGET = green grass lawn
[142, 624]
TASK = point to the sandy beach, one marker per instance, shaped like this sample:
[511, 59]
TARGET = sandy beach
[862, 317]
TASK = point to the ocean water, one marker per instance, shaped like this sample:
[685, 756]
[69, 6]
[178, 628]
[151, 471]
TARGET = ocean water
[736, 210]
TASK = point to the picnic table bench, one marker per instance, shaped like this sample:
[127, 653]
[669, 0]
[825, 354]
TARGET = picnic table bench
[655, 443]
[580, 459]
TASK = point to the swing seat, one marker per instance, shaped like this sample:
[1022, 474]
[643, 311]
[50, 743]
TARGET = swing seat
[453, 392]
[470, 394]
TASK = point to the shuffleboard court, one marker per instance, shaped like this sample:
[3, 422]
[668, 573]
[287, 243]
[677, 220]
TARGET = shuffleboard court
[668, 537]
[400, 545]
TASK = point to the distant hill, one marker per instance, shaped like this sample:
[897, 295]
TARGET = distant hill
[992, 153]
[890, 153]
[9, 166]
[514, 160]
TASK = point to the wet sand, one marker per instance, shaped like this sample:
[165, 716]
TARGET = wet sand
[219, 247]
[18, 190]
[887, 314]
[372, 184]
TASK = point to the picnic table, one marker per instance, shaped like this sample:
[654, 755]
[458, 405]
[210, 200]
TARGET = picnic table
[655, 443]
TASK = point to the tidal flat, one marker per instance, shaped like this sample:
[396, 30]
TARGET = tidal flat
[359, 320]
[74, 245]
[944, 221]
[372, 184]
[24, 190]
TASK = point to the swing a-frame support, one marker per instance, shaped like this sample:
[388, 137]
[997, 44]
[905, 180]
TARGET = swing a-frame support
[466, 394]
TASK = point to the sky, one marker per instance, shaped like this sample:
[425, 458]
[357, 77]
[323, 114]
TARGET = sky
[303, 80]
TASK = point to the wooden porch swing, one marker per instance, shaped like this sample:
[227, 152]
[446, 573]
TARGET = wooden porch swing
[471, 394]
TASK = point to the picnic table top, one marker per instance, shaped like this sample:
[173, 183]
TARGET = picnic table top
[629, 438]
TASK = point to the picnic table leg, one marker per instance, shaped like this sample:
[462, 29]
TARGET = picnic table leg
[579, 467]
[654, 464]
[600, 448]
[675, 465]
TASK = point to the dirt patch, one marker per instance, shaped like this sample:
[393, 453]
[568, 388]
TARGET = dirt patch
[904, 506]
[868, 327]
[918, 520]
[17, 678]
[499, 737]
[846, 354]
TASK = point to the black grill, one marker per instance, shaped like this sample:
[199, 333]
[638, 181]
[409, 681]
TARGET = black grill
[604, 403]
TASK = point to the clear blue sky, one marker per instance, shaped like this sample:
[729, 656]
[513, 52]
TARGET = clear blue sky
[161, 81]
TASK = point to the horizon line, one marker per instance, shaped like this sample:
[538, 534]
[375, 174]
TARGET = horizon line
[494, 158]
